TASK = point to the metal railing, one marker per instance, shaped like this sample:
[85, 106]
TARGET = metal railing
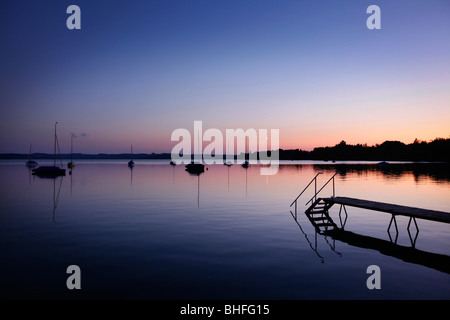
[334, 190]
[315, 190]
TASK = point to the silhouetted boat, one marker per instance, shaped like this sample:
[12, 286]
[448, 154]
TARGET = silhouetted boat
[383, 163]
[31, 163]
[195, 167]
[228, 163]
[131, 162]
[51, 170]
[245, 164]
[173, 163]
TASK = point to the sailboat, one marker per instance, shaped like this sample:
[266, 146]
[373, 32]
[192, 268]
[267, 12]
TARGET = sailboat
[31, 163]
[51, 170]
[70, 165]
[195, 167]
[131, 162]
[228, 163]
[245, 164]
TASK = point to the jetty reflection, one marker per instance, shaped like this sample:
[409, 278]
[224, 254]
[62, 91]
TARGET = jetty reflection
[435, 261]
[390, 248]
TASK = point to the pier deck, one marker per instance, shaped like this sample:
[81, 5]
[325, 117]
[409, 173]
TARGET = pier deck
[394, 209]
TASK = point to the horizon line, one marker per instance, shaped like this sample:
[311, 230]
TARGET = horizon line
[343, 142]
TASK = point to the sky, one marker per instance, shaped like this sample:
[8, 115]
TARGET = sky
[137, 70]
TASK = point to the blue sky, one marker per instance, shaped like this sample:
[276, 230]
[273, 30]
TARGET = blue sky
[137, 70]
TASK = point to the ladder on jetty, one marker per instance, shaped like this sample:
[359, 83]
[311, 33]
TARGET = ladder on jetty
[317, 213]
[319, 217]
[318, 210]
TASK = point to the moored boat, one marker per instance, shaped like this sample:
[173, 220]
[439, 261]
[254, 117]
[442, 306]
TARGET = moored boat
[51, 170]
[31, 163]
[195, 167]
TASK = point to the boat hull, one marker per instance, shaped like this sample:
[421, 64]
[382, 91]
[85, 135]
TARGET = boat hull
[49, 171]
[195, 168]
[31, 163]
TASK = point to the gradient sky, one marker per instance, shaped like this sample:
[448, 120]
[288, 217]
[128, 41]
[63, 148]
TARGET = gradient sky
[137, 70]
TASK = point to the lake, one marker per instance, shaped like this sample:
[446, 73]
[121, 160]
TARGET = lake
[159, 232]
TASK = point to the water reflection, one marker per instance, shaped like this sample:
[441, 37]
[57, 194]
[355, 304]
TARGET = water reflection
[196, 172]
[156, 233]
[390, 248]
[436, 261]
[246, 183]
[228, 174]
[71, 179]
[56, 190]
[131, 175]
[439, 172]
[313, 246]
[56, 195]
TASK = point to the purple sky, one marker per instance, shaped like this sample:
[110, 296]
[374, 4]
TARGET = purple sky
[137, 70]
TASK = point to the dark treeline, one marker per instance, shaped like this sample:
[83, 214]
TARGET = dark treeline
[436, 150]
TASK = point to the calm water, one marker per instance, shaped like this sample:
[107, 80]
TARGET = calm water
[158, 232]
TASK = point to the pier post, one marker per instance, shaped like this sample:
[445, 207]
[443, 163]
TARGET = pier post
[295, 210]
[396, 228]
[413, 242]
[346, 215]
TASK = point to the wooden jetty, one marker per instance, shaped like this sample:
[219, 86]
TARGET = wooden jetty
[318, 214]
[419, 213]
[321, 205]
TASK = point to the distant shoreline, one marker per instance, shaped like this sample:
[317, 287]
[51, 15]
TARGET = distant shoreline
[437, 150]
[79, 156]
